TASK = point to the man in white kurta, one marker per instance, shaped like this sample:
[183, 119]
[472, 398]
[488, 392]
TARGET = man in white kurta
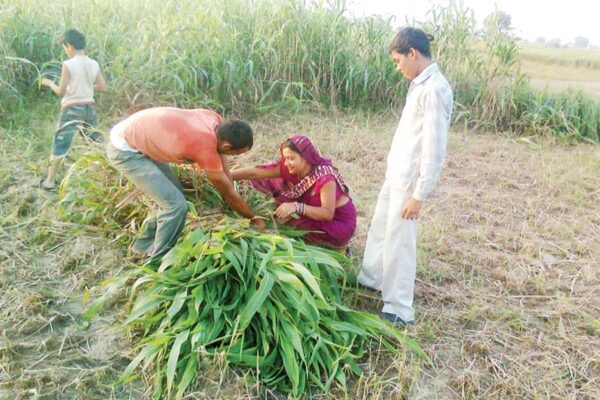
[414, 165]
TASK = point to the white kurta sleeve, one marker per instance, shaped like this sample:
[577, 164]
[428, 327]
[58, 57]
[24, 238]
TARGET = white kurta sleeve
[437, 108]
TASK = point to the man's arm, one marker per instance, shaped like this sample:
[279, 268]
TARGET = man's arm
[433, 149]
[223, 184]
[225, 166]
[60, 90]
[434, 138]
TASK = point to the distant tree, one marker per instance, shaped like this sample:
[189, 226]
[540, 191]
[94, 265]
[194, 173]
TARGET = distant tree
[554, 43]
[497, 21]
[581, 41]
[540, 40]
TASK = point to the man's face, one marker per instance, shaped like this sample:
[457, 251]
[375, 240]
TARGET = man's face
[225, 149]
[406, 63]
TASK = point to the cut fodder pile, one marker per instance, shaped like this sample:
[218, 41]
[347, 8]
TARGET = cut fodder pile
[93, 192]
[266, 302]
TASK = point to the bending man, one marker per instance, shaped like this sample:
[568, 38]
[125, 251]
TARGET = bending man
[141, 147]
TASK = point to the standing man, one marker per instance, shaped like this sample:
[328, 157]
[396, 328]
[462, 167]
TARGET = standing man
[141, 147]
[414, 165]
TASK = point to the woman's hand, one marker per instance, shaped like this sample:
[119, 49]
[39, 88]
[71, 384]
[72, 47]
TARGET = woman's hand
[285, 211]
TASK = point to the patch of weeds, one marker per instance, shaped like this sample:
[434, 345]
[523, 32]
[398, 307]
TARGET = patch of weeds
[26, 206]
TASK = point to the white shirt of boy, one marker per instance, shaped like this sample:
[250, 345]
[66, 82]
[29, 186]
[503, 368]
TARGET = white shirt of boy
[83, 72]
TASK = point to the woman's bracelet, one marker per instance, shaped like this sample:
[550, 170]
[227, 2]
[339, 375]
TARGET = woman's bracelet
[299, 208]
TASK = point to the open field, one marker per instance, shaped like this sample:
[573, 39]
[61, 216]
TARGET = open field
[558, 70]
[585, 58]
[555, 78]
[507, 293]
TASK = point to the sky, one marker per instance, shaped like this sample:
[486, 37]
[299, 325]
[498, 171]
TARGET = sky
[530, 19]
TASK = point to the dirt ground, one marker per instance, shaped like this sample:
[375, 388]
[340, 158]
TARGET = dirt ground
[508, 288]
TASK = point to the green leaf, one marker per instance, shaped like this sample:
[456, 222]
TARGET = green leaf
[174, 357]
[178, 302]
[307, 277]
[142, 309]
[256, 301]
[112, 286]
[145, 353]
[293, 335]
[290, 363]
[188, 375]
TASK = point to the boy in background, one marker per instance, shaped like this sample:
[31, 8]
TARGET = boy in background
[80, 78]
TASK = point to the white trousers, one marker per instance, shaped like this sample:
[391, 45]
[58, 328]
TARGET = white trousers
[390, 259]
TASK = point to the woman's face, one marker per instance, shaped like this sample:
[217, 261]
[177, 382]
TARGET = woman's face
[295, 163]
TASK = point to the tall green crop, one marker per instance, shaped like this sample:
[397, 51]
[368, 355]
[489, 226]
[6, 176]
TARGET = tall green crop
[264, 56]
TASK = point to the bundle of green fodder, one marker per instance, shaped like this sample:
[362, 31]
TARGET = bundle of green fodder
[265, 301]
[93, 192]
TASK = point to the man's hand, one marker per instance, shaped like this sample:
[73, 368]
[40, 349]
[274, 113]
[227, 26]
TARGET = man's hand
[411, 209]
[258, 223]
[224, 185]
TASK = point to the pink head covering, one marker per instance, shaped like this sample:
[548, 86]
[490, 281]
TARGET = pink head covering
[308, 151]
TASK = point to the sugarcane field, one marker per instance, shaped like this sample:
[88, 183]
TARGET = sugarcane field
[273, 199]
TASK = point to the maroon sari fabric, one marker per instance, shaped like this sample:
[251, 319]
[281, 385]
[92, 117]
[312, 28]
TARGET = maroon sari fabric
[290, 188]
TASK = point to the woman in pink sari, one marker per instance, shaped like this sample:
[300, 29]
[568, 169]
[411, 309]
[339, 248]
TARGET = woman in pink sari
[306, 184]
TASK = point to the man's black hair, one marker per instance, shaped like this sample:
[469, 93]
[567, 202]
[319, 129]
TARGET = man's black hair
[237, 132]
[411, 37]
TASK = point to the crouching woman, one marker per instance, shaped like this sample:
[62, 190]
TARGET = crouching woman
[308, 186]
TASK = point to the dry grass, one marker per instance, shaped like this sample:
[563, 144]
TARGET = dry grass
[507, 295]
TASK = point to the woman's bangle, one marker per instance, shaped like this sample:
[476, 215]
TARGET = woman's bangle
[299, 208]
[255, 217]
